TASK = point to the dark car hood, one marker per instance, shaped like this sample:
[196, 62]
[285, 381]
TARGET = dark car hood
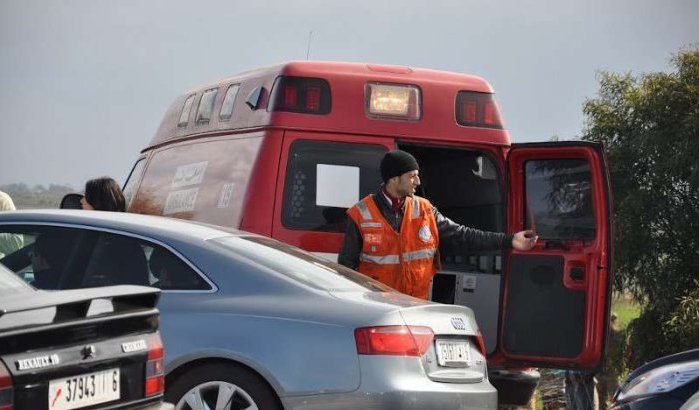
[686, 356]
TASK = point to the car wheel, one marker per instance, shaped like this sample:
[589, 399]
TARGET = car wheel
[221, 386]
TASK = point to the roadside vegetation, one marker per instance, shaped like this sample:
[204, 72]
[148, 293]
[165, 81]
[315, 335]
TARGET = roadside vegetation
[649, 124]
[36, 197]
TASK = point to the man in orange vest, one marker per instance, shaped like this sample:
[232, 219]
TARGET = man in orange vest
[393, 236]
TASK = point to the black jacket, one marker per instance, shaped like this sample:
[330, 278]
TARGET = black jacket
[451, 234]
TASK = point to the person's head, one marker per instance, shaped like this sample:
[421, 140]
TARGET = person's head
[103, 194]
[6, 203]
[400, 173]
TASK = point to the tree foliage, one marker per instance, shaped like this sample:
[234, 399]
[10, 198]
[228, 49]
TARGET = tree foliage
[649, 125]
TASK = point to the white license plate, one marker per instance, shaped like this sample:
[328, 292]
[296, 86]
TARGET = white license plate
[84, 390]
[451, 353]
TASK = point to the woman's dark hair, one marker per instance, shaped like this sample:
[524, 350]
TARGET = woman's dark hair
[104, 194]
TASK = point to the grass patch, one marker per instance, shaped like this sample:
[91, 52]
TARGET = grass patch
[626, 309]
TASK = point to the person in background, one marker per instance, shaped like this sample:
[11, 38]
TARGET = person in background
[49, 257]
[394, 235]
[8, 242]
[103, 194]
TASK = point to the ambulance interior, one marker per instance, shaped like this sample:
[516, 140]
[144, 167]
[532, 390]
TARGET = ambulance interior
[464, 186]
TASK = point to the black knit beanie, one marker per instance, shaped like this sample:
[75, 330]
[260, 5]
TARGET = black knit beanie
[396, 163]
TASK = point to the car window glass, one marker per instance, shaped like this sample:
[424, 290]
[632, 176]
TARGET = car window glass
[46, 254]
[323, 179]
[118, 259]
[65, 258]
[170, 272]
[298, 264]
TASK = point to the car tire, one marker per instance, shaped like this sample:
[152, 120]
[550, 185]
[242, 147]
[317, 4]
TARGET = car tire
[203, 386]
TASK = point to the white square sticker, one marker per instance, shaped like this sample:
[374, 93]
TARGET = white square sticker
[337, 185]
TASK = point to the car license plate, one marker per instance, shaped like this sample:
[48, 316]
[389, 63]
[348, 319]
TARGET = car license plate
[84, 390]
[452, 353]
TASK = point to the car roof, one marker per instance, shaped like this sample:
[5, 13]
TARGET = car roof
[145, 225]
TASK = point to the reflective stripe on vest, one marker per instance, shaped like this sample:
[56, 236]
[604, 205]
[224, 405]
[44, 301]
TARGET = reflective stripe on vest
[421, 254]
[364, 211]
[393, 259]
[366, 214]
[380, 260]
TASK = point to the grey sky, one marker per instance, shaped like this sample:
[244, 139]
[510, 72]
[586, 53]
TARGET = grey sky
[85, 82]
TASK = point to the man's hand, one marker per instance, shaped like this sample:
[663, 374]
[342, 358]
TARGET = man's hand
[524, 240]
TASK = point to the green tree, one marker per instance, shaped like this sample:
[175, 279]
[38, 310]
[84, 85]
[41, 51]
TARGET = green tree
[650, 124]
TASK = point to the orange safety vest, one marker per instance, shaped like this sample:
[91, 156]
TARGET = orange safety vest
[405, 260]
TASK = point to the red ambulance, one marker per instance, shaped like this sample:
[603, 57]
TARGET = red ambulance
[283, 151]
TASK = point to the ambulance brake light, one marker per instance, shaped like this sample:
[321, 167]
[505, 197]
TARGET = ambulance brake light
[301, 95]
[475, 109]
[393, 101]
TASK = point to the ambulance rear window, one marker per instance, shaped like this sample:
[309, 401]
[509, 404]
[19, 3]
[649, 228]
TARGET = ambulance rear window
[324, 178]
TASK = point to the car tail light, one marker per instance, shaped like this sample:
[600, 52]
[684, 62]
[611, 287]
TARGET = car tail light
[393, 101]
[474, 109]
[481, 343]
[313, 98]
[394, 340]
[301, 94]
[290, 95]
[6, 390]
[155, 377]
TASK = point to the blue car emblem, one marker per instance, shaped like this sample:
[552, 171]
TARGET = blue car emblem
[458, 323]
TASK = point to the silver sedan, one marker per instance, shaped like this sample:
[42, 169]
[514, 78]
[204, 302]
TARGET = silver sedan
[252, 323]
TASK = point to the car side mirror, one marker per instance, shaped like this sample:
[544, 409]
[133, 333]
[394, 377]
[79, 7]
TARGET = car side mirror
[71, 201]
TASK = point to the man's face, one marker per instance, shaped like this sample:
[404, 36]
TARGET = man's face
[407, 183]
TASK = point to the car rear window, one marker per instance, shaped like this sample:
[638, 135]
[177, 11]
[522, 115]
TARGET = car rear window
[300, 265]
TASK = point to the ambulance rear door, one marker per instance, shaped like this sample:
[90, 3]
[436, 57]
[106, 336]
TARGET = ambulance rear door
[556, 297]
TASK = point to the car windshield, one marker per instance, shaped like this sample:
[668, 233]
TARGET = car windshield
[300, 265]
[11, 284]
